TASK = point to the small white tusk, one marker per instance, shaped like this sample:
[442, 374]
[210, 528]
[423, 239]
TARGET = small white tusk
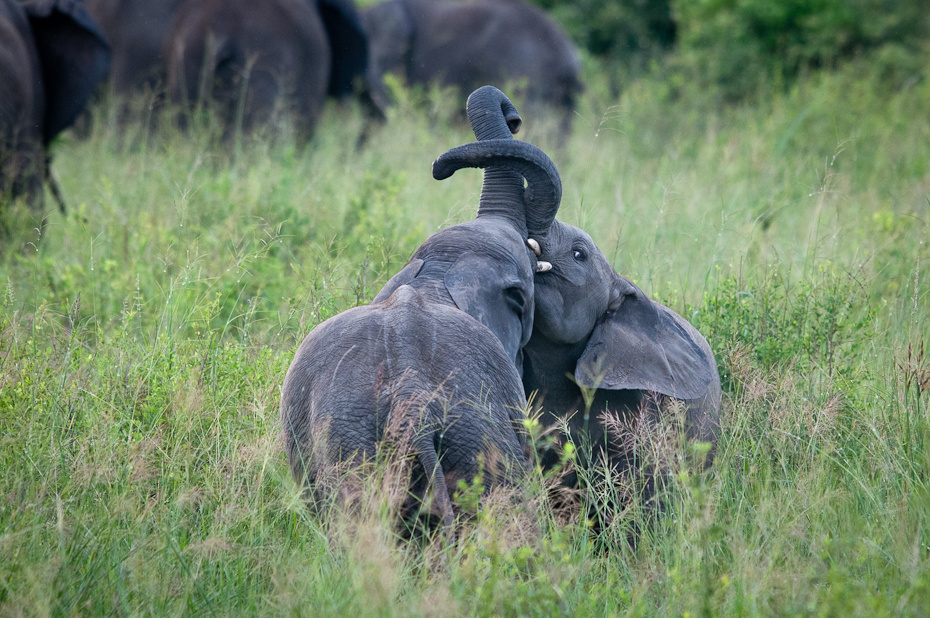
[532, 244]
[542, 267]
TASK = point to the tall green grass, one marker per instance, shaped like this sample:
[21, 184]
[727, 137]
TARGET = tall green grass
[144, 337]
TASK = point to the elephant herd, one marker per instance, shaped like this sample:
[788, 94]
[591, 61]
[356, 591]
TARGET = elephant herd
[486, 313]
[255, 63]
[513, 303]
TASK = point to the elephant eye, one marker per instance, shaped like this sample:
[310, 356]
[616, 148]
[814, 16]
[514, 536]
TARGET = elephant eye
[579, 254]
[516, 299]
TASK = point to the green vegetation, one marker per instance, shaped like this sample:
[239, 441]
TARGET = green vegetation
[628, 30]
[737, 48]
[144, 338]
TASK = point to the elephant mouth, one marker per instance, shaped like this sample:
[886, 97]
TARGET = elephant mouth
[541, 265]
[542, 280]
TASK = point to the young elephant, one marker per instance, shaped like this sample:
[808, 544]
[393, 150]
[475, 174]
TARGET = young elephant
[437, 353]
[596, 330]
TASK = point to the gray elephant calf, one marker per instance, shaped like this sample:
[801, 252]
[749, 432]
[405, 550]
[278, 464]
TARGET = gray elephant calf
[425, 374]
[596, 330]
[436, 356]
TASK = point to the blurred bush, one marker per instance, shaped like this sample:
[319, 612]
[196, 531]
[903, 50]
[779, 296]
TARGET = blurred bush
[740, 45]
[616, 29]
[732, 49]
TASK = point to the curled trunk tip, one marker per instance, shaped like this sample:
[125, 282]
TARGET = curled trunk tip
[492, 115]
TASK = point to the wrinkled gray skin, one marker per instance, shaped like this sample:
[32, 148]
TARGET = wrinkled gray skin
[259, 58]
[596, 329]
[466, 44]
[51, 59]
[438, 350]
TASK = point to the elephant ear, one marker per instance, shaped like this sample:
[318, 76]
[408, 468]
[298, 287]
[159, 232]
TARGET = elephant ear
[640, 344]
[348, 43]
[404, 276]
[74, 58]
[484, 289]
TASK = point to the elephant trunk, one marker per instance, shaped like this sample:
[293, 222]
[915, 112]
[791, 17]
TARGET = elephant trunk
[491, 114]
[494, 117]
[544, 187]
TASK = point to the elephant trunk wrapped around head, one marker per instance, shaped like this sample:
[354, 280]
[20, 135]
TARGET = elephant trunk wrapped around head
[507, 162]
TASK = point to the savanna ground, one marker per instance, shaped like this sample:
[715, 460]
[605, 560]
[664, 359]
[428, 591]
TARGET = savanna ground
[144, 338]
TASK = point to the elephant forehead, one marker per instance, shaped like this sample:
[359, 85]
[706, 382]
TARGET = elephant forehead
[562, 237]
[491, 239]
[586, 281]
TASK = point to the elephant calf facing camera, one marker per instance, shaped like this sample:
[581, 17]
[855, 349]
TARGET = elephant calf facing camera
[614, 363]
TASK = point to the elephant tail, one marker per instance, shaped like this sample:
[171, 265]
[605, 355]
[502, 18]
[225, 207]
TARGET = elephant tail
[429, 459]
[413, 423]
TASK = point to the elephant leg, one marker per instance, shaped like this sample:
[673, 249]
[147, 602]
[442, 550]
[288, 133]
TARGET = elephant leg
[24, 167]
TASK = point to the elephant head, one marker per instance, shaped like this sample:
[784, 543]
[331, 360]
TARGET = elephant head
[484, 267]
[612, 336]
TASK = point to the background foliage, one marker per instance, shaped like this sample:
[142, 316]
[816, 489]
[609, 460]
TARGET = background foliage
[736, 47]
[740, 45]
[625, 30]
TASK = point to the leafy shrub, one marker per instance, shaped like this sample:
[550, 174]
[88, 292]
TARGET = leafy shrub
[800, 325]
[622, 29]
[738, 45]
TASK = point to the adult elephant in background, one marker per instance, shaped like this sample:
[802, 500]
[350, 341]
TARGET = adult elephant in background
[596, 330]
[51, 59]
[136, 31]
[467, 44]
[253, 61]
[436, 356]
